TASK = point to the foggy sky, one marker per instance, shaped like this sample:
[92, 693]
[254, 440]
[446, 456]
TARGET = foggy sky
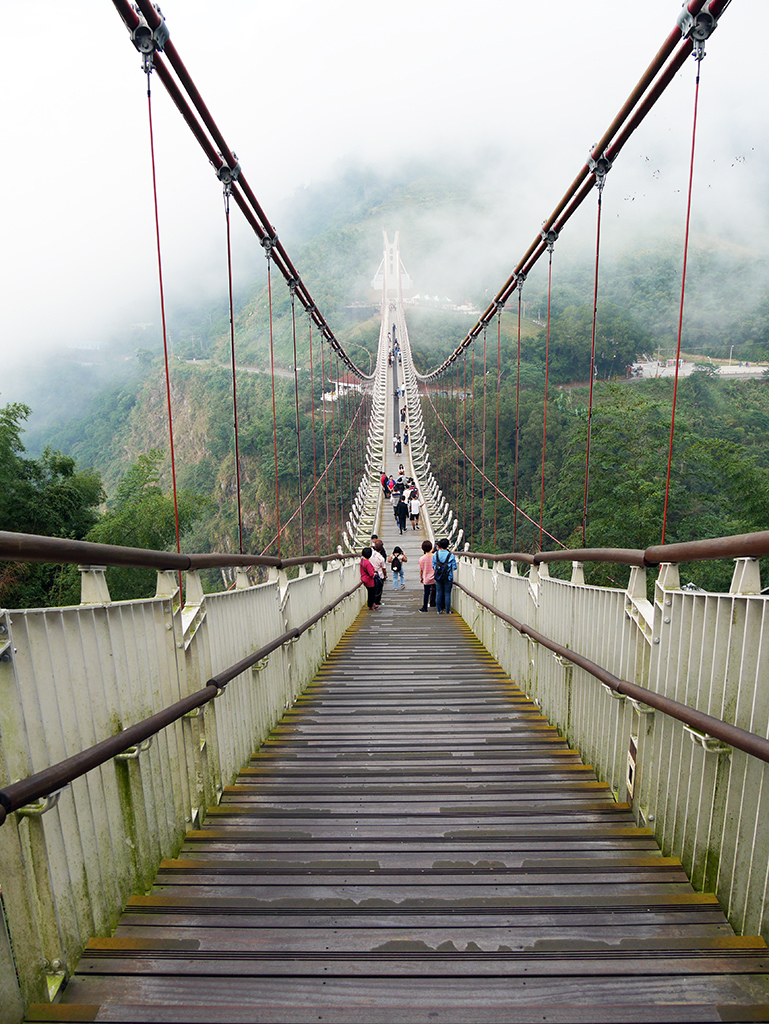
[519, 91]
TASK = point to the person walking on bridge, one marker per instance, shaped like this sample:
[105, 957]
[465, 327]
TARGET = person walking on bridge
[397, 560]
[402, 513]
[427, 576]
[444, 566]
[368, 577]
[415, 506]
[377, 559]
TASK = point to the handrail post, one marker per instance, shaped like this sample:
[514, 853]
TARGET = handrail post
[93, 584]
[747, 576]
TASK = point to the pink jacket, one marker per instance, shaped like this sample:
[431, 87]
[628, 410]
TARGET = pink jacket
[426, 574]
[367, 573]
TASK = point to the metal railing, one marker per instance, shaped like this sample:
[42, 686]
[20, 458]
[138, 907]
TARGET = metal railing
[668, 698]
[111, 742]
[742, 545]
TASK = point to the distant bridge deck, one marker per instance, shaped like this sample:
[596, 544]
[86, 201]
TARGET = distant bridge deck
[414, 842]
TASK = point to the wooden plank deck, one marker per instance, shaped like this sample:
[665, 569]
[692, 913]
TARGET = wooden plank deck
[414, 843]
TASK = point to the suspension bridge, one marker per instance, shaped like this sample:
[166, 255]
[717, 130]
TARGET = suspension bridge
[271, 803]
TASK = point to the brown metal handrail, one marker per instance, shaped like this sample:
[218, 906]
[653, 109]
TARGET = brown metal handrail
[28, 547]
[741, 739]
[52, 779]
[742, 545]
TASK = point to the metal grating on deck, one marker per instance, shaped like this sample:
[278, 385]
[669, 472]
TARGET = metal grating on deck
[415, 843]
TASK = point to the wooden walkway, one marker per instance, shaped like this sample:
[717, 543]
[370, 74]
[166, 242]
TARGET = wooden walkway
[414, 843]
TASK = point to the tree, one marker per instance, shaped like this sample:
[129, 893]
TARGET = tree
[142, 516]
[46, 496]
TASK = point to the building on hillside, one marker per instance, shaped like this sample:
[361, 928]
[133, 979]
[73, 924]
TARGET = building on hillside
[343, 386]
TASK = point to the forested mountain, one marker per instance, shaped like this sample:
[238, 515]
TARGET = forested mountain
[115, 423]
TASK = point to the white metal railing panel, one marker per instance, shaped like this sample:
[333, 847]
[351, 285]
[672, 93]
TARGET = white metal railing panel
[70, 677]
[707, 804]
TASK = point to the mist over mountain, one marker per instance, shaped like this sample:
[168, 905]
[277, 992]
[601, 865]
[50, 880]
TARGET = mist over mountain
[457, 233]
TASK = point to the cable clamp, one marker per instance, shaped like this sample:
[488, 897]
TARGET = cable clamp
[550, 236]
[269, 242]
[228, 175]
[600, 167]
[292, 286]
[499, 305]
[149, 40]
[520, 282]
[697, 27]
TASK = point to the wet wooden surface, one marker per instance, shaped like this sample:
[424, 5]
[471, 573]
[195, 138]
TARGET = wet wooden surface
[415, 843]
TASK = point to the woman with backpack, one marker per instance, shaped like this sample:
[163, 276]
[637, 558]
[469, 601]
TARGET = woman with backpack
[396, 560]
[444, 566]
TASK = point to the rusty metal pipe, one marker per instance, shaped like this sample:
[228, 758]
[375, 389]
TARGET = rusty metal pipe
[27, 547]
[742, 545]
[625, 556]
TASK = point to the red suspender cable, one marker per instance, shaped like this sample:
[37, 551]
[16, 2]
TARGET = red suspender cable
[292, 289]
[496, 434]
[334, 396]
[464, 443]
[268, 250]
[550, 237]
[517, 417]
[483, 438]
[325, 438]
[699, 53]
[314, 439]
[148, 69]
[472, 451]
[456, 410]
[227, 192]
[600, 183]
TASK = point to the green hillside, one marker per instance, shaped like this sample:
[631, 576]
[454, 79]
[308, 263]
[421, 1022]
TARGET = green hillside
[112, 415]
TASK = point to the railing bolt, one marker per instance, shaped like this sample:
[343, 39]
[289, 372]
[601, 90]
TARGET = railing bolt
[656, 639]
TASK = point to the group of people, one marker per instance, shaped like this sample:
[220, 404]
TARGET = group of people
[373, 571]
[394, 349]
[403, 494]
[436, 573]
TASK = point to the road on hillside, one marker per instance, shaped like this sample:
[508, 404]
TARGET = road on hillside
[667, 368]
